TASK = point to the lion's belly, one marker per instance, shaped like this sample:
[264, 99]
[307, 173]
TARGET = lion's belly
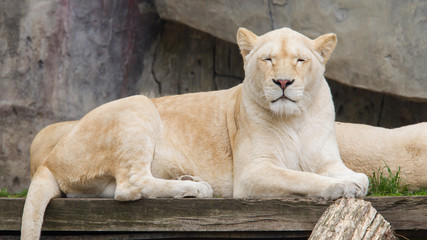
[184, 153]
[101, 187]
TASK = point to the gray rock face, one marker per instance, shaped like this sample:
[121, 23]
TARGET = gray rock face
[61, 59]
[382, 44]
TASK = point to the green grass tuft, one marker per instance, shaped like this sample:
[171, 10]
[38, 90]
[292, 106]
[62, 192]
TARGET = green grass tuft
[5, 193]
[382, 185]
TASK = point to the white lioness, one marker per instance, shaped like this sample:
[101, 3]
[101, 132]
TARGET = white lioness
[271, 136]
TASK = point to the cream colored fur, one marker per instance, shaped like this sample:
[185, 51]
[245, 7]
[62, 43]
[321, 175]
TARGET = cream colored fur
[366, 149]
[255, 140]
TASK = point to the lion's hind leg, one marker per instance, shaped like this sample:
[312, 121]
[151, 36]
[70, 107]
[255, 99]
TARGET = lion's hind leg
[135, 186]
[134, 179]
[136, 140]
[115, 143]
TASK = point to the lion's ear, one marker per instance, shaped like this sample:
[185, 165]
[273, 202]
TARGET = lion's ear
[246, 40]
[325, 45]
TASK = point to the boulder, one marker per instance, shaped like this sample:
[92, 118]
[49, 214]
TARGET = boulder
[382, 44]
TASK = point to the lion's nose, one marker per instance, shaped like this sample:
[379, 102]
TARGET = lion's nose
[283, 83]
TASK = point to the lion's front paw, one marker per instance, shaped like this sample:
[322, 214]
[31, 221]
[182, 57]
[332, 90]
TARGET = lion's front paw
[334, 191]
[362, 181]
[196, 190]
[348, 188]
[205, 190]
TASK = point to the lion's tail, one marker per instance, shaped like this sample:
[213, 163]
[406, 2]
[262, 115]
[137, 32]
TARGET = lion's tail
[42, 189]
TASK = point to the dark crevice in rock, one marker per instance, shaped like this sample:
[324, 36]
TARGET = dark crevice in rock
[381, 110]
[229, 59]
[215, 84]
[153, 72]
[272, 25]
[40, 64]
[229, 76]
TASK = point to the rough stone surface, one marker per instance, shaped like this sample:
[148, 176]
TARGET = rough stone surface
[59, 60]
[382, 44]
[184, 60]
[228, 65]
[221, 18]
[362, 106]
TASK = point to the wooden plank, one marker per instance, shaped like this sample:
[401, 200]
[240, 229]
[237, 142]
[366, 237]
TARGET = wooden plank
[172, 215]
[203, 215]
[403, 213]
[49, 235]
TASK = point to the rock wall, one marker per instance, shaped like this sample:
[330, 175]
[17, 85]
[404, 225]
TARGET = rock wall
[381, 43]
[60, 59]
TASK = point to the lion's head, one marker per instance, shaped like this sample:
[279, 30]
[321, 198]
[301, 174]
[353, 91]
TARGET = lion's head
[284, 68]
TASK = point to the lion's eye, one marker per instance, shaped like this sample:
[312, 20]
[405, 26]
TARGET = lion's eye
[301, 60]
[267, 59]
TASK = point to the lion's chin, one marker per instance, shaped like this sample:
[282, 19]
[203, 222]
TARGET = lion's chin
[283, 98]
[285, 107]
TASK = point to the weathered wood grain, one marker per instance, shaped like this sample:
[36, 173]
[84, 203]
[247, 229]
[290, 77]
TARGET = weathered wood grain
[403, 213]
[203, 215]
[171, 215]
[353, 219]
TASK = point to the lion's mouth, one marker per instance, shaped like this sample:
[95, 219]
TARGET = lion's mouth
[283, 97]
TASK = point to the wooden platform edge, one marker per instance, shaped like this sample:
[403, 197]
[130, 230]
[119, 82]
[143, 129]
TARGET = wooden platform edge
[204, 215]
